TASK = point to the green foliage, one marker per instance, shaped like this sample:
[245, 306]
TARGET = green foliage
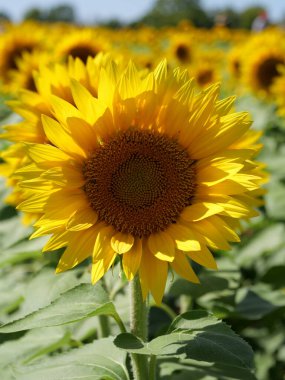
[195, 337]
[98, 360]
[171, 12]
[81, 302]
[59, 13]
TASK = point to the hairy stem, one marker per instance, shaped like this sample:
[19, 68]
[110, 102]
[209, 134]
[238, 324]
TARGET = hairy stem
[138, 321]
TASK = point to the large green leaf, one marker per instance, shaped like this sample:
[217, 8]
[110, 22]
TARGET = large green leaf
[44, 288]
[265, 241]
[11, 232]
[258, 301]
[98, 360]
[198, 370]
[33, 344]
[199, 336]
[275, 201]
[74, 305]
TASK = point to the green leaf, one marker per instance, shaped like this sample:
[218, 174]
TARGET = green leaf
[251, 306]
[81, 302]
[194, 370]
[266, 241]
[33, 344]
[199, 336]
[275, 201]
[258, 301]
[12, 231]
[98, 360]
[45, 287]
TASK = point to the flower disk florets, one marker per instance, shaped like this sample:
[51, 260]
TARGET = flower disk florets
[139, 182]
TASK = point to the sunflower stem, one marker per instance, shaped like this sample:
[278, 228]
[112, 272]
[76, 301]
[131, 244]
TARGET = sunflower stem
[152, 368]
[138, 324]
[104, 325]
[104, 328]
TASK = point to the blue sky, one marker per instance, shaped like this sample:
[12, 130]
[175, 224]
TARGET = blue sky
[128, 10]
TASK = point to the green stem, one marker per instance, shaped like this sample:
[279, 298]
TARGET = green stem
[104, 328]
[138, 324]
[152, 368]
[120, 323]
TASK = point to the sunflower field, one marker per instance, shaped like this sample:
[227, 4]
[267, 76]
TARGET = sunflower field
[142, 218]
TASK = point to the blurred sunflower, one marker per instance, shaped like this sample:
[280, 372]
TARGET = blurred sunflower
[13, 43]
[180, 49]
[205, 68]
[81, 43]
[263, 55]
[27, 64]
[278, 91]
[234, 61]
[149, 170]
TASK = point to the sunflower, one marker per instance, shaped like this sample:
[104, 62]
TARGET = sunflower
[262, 57]
[150, 170]
[81, 44]
[180, 48]
[205, 69]
[27, 64]
[13, 43]
[278, 91]
[234, 61]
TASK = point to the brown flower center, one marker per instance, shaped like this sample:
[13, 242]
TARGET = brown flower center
[82, 52]
[139, 182]
[267, 71]
[205, 77]
[183, 53]
[16, 53]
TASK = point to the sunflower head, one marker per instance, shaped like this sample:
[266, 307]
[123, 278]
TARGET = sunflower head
[180, 49]
[81, 44]
[13, 43]
[149, 169]
[263, 56]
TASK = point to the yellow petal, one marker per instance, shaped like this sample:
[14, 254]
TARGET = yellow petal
[82, 220]
[100, 267]
[80, 247]
[184, 238]
[84, 100]
[57, 241]
[153, 275]
[132, 259]
[183, 268]
[162, 246]
[203, 257]
[199, 211]
[102, 244]
[59, 137]
[122, 243]
[208, 233]
[41, 153]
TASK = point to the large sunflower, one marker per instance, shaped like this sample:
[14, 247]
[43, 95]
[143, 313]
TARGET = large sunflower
[150, 170]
